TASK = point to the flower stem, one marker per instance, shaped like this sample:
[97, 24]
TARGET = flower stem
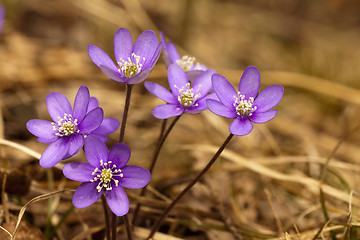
[129, 88]
[161, 140]
[128, 227]
[106, 215]
[188, 187]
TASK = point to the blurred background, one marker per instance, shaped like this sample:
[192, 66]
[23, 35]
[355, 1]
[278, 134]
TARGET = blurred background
[266, 185]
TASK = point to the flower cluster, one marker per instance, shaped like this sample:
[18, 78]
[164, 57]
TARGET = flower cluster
[193, 88]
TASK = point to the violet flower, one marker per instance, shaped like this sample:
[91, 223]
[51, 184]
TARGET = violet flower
[2, 16]
[187, 63]
[66, 134]
[246, 105]
[106, 172]
[135, 62]
[184, 96]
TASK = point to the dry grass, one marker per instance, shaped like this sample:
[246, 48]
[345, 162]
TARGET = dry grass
[265, 185]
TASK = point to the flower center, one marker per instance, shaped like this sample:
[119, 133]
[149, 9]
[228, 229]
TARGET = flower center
[105, 175]
[66, 126]
[186, 96]
[186, 62]
[132, 66]
[244, 107]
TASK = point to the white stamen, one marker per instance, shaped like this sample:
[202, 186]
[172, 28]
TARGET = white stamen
[186, 96]
[132, 66]
[244, 107]
[186, 62]
[65, 126]
[106, 175]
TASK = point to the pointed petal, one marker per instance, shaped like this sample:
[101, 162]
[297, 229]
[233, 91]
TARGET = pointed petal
[91, 121]
[108, 126]
[119, 154]
[146, 45]
[177, 78]
[55, 152]
[95, 150]
[269, 98]
[167, 111]
[117, 200]
[134, 177]
[160, 92]
[203, 83]
[86, 194]
[100, 58]
[250, 82]
[42, 129]
[262, 117]
[81, 103]
[57, 105]
[220, 109]
[112, 74]
[123, 45]
[224, 90]
[241, 126]
[76, 143]
[93, 103]
[79, 171]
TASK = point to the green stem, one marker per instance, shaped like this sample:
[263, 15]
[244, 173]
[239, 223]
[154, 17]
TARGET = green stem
[188, 187]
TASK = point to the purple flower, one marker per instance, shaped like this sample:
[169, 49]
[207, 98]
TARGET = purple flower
[185, 97]
[135, 62]
[66, 134]
[171, 55]
[2, 15]
[246, 105]
[106, 171]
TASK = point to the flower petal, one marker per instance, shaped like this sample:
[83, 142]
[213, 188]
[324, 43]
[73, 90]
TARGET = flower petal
[100, 58]
[55, 152]
[81, 103]
[93, 103]
[146, 45]
[117, 200]
[262, 117]
[160, 92]
[91, 121]
[269, 98]
[42, 129]
[220, 109]
[108, 125]
[76, 143]
[170, 53]
[112, 74]
[139, 77]
[101, 137]
[95, 150]
[79, 171]
[86, 194]
[119, 154]
[250, 82]
[192, 75]
[241, 126]
[57, 105]
[177, 78]
[134, 177]
[203, 83]
[167, 111]
[123, 45]
[224, 90]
